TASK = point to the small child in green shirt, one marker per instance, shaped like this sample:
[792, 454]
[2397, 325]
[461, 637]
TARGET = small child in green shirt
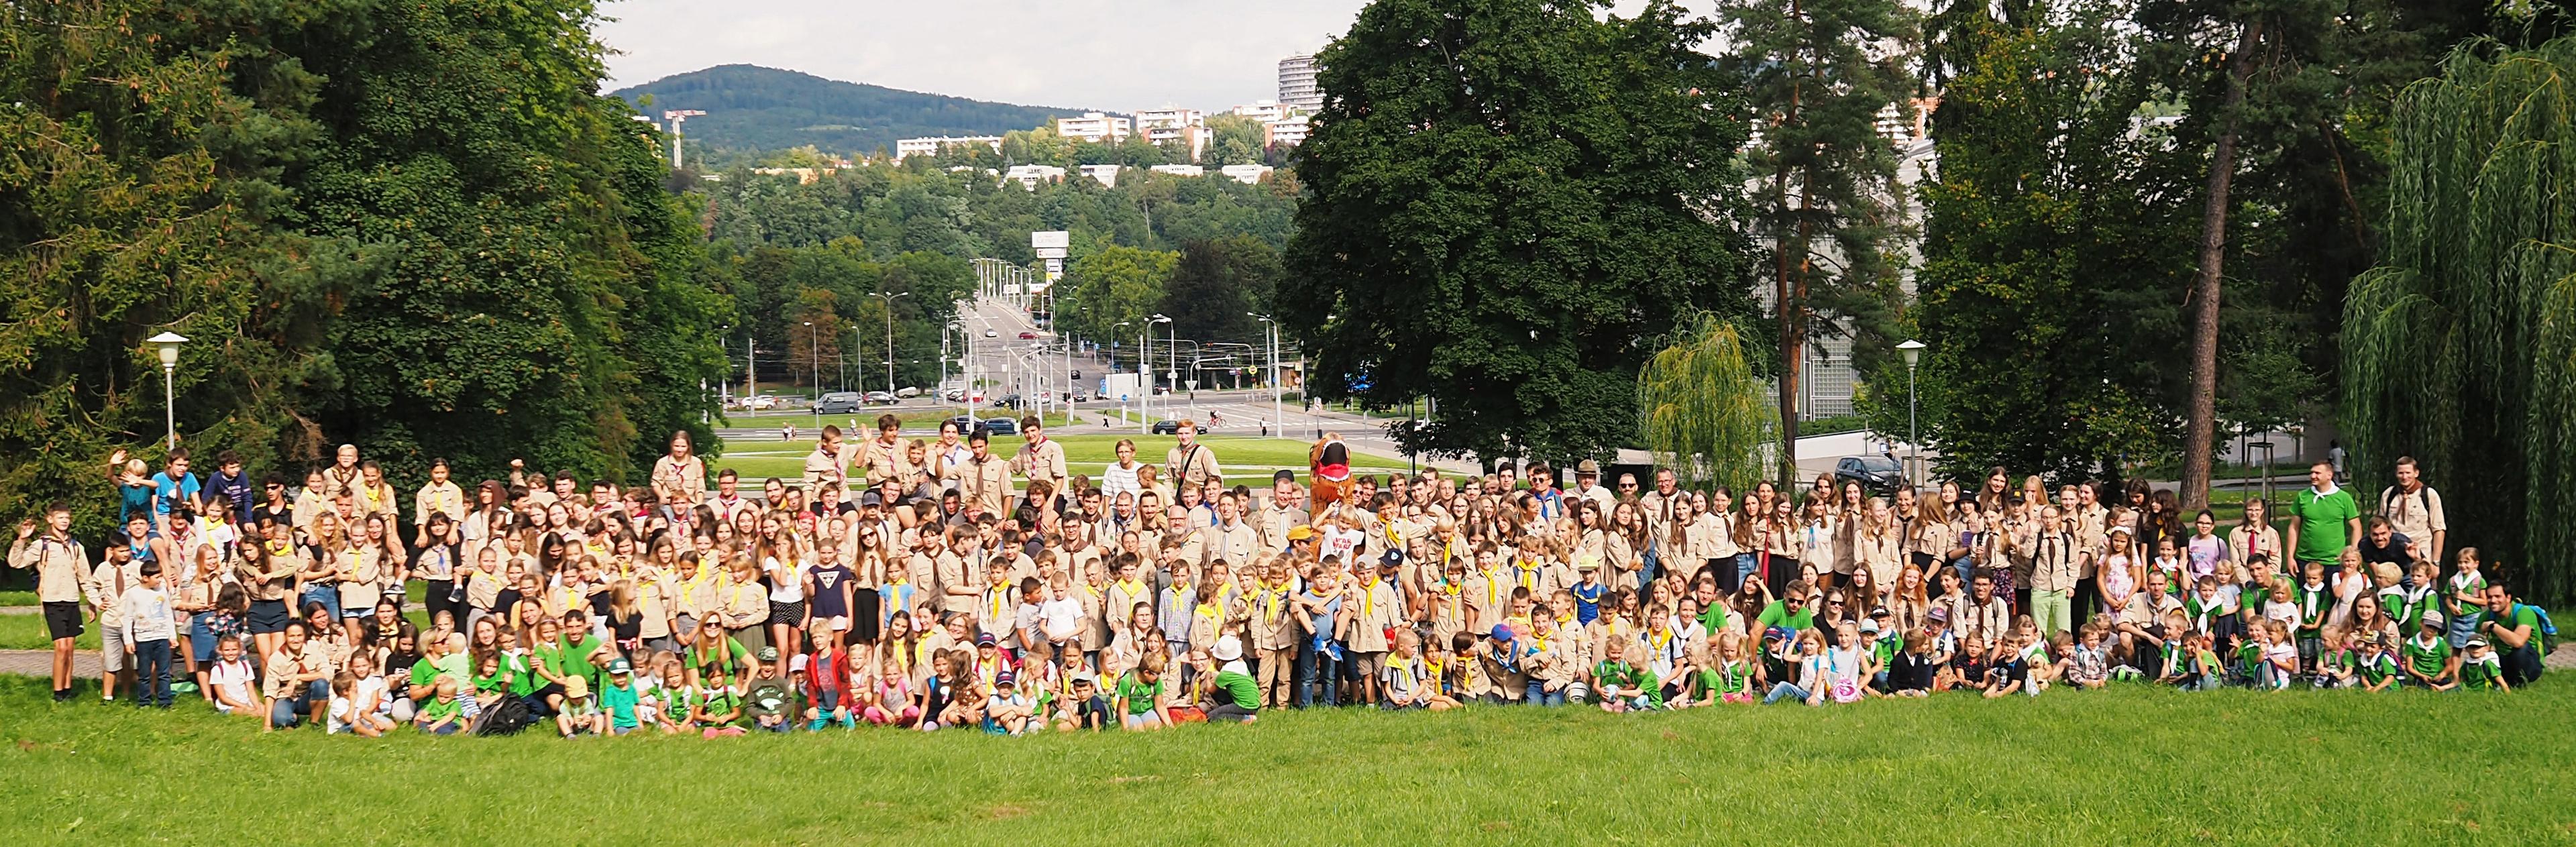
[2481, 669]
[1619, 686]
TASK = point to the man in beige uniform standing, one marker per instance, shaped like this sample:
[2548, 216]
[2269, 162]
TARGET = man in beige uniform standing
[827, 465]
[987, 478]
[1190, 464]
[884, 456]
[1284, 512]
[1041, 458]
[1230, 539]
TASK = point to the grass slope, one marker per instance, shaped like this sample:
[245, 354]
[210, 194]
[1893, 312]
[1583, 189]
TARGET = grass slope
[2131, 765]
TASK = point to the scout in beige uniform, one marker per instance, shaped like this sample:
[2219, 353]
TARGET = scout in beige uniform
[1190, 464]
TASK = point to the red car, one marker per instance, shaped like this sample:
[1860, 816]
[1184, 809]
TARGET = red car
[1028, 335]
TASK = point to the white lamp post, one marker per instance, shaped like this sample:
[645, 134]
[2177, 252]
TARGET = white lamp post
[1174, 376]
[1913, 351]
[1275, 422]
[169, 342]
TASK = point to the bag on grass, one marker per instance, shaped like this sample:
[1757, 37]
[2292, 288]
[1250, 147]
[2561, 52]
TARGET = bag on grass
[504, 718]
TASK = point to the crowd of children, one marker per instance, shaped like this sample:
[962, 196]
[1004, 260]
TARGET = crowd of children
[932, 584]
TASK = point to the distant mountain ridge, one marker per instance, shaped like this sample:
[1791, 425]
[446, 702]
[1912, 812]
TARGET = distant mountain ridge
[751, 108]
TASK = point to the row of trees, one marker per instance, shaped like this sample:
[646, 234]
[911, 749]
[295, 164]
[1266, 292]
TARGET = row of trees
[2102, 168]
[416, 227]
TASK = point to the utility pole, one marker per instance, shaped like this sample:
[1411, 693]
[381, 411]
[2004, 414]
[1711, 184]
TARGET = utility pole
[889, 348]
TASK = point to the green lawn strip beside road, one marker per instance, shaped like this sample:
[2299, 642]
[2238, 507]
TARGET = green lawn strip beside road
[27, 632]
[2128, 765]
[1247, 459]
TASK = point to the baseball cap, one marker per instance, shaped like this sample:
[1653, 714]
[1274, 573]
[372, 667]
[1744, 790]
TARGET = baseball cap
[1284, 475]
[985, 640]
[1300, 532]
[2370, 637]
[1880, 612]
[576, 688]
[1939, 614]
[1502, 633]
[1085, 678]
[1869, 626]
[2480, 641]
[768, 654]
[796, 663]
[1003, 680]
[2432, 618]
[1392, 557]
[1779, 633]
[620, 665]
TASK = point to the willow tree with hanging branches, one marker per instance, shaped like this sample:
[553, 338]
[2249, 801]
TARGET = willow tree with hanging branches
[2460, 347]
[1706, 414]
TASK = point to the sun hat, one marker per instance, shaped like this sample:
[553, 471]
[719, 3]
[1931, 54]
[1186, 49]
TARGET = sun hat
[576, 688]
[1227, 649]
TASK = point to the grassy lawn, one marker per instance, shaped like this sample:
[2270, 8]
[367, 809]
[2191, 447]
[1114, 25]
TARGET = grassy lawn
[1249, 459]
[27, 632]
[2126, 766]
[18, 598]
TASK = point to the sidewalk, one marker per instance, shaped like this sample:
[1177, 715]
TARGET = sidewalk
[40, 663]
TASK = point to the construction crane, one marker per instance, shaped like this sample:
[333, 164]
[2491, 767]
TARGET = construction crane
[675, 116]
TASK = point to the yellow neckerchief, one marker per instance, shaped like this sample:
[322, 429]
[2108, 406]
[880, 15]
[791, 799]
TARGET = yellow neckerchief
[1368, 601]
[1434, 669]
[374, 494]
[1493, 588]
[1000, 598]
[1527, 575]
[895, 577]
[1661, 645]
[1134, 587]
[1210, 613]
[1453, 593]
[1272, 594]
[1538, 642]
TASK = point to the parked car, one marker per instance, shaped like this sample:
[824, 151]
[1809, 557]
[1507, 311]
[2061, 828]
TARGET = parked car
[992, 334]
[765, 401]
[1167, 427]
[880, 398]
[908, 392]
[954, 395]
[1007, 401]
[1876, 474]
[1073, 375]
[1026, 335]
[1081, 397]
[837, 402]
[1001, 426]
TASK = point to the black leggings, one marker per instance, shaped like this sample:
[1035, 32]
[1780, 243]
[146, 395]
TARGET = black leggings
[1229, 712]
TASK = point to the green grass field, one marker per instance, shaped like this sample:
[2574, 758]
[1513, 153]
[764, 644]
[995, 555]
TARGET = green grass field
[27, 632]
[1247, 459]
[2129, 765]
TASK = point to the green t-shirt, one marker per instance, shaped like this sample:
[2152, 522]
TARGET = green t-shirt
[2375, 669]
[436, 710]
[1140, 697]
[2475, 674]
[493, 683]
[1777, 614]
[619, 700]
[2522, 616]
[1240, 688]
[2322, 527]
[424, 672]
[1625, 675]
[2427, 659]
[575, 659]
[523, 681]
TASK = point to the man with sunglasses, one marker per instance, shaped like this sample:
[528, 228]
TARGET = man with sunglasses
[1790, 612]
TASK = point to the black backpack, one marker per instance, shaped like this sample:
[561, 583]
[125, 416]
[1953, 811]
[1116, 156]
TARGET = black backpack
[504, 718]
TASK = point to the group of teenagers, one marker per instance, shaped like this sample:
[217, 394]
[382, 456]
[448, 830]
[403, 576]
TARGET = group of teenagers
[936, 582]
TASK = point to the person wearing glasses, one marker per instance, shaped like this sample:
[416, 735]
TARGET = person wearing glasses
[1790, 612]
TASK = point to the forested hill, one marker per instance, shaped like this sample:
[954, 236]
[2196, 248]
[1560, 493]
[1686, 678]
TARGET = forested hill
[751, 108]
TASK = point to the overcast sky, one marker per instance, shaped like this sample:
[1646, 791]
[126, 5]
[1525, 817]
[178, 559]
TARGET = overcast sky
[1120, 55]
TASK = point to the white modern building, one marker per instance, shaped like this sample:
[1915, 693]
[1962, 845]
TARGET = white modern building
[1106, 175]
[1094, 127]
[1029, 176]
[1169, 118]
[1179, 170]
[1297, 84]
[1246, 174]
[904, 147]
[1264, 111]
[1288, 132]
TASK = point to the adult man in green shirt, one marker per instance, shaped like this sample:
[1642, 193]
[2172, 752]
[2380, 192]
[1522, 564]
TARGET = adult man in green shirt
[1789, 612]
[2514, 631]
[2324, 520]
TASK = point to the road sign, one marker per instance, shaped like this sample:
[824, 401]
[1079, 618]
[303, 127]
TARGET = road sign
[1051, 252]
[1055, 238]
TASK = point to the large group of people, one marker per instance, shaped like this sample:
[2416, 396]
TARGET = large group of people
[949, 582]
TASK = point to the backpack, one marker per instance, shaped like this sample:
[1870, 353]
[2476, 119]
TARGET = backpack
[504, 718]
[2548, 630]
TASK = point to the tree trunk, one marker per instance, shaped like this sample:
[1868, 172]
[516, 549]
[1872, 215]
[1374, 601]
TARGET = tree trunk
[1792, 308]
[2202, 422]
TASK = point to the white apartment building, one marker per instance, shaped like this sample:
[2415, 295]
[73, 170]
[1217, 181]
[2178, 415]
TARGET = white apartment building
[904, 147]
[1297, 83]
[1179, 170]
[1106, 175]
[1246, 174]
[1029, 176]
[1287, 132]
[1169, 118]
[1094, 127]
[1264, 111]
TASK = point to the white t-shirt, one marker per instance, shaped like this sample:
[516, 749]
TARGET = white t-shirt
[1339, 542]
[340, 709]
[1062, 617]
[786, 581]
[233, 679]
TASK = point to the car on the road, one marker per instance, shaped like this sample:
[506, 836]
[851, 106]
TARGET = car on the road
[1026, 335]
[1007, 401]
[880, 398]
[1001, 426]
[837, 402]
[1167, 427]
[954, 395]
[992, 334]
[1876, 474]
[1081, 397]
[765, 401]
[1073, 375]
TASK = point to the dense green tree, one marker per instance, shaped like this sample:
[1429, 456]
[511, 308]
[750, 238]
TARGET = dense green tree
[1217, 284]
[1501, 200]
[2458, 350]
[1817, 75]
[1118, 284]
[2046, 260]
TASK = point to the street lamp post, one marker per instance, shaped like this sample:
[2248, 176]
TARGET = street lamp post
[1274, 371]
[169, 342]
[1913, 351]
[889, 310]
[816, 337]
[1175, 374]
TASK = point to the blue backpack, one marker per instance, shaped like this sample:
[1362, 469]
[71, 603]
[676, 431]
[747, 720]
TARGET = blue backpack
[2548, 630]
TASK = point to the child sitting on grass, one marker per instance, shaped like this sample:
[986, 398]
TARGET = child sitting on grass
[2377, 668]
[1619, 686]
[2481, 669]
[1141, 694]
[442, 715]
[2427, 658]
[1007, 713]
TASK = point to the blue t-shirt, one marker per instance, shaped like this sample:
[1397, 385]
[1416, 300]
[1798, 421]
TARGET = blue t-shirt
[237, 489]
[136, 499]
[167, 492]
